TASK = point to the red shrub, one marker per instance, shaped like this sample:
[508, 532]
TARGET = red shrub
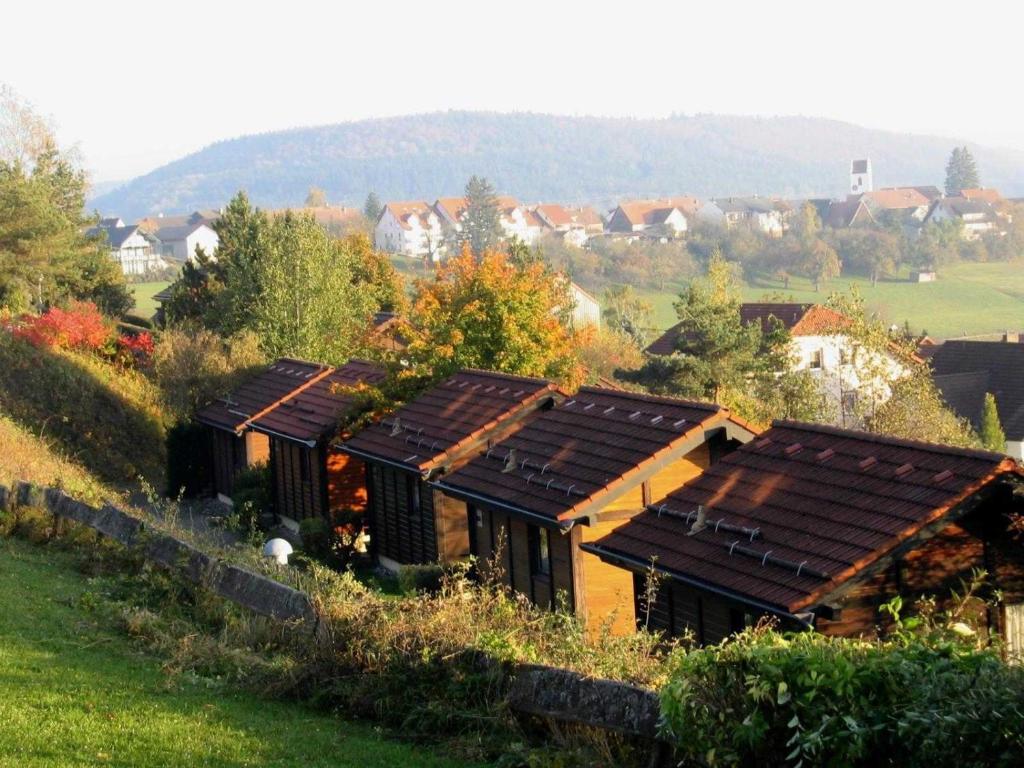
[137, 348]
[80, 326]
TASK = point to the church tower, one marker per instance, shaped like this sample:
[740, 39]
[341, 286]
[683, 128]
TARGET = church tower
[860, 177]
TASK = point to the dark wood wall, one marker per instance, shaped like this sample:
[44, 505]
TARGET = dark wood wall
[401, 516]
[228, 453]
[315, 482]
[506, 549]
[678, 609]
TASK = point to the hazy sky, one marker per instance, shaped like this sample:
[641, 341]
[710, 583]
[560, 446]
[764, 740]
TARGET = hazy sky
[137, 84]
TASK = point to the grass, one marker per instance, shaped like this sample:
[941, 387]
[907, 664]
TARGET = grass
[145, 306]
[74, 691]
[967, 299]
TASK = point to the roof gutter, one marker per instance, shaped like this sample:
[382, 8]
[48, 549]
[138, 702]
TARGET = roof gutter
[628, 561]
[272, 433]
[487, 500]
[380, 460]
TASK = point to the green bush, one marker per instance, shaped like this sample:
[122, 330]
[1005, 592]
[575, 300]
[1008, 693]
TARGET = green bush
[420, 578]
[253, 496]
[188, 459]
[316, 538]
[805, 699]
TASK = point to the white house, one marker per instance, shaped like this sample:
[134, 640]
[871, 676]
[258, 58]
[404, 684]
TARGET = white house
[129, 246]
[575, 225]
[514, 219]
[760, 213]
[412, 228]
[852, 380]
[977, 217]
[586, 310]
[180, 242]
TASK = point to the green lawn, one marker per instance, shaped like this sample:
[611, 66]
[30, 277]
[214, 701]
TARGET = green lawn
[144, 293]
[75, 692]
[968, 298]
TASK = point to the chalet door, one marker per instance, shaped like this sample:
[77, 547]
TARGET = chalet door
[1015, 632]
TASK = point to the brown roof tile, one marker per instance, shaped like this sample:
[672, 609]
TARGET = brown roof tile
[439, 424]
[579, 451]
[313, 413]
[264, 390]
[797, 512]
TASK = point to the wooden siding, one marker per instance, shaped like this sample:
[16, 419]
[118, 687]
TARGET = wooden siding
[678, 609]
[679, 472]
[346, 482]
[608, 588]
[398, 530]
[228, 453]
[297, 474]
[257, 448]
[452, 528]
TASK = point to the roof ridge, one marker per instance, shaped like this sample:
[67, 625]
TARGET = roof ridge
[664, 399]
[873, 437]
[498, 374]
[327, 371]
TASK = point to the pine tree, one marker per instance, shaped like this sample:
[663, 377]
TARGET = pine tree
[372, 207]
[992, 435]
[961, 171]
[481, 223]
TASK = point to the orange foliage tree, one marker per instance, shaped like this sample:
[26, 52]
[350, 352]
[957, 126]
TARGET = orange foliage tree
[491, 313]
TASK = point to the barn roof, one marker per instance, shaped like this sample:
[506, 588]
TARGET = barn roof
[278, 381]
[796, 513]
[442, 423]
[312, 413]
[576, 454]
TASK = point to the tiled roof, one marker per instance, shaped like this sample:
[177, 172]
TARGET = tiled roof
[745, 204]
[1002, 361]
[584, 448]
[116, 236]
[264, 390]
[799, 319]
[313, 413]
[896, 198]
[440, 423]
[986, 195]
[403, 210]
[656, 211]
[555, 215]
[801, 510]
[455, 207]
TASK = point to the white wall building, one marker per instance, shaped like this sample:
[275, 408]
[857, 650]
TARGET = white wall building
[129, 247]
[180, 242]
[413, 228]
[861, 179]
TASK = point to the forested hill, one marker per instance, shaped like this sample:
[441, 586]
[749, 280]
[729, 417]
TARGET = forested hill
[547, 157]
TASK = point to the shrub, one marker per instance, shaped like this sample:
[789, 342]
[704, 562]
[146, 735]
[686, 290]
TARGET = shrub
[253, 496]
[188, 459]
[135, 349]
[420, 578]
[805, 699]
[80, 326]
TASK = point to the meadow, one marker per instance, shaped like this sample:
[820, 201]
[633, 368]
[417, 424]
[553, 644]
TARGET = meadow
[968, 298]
[145, 306]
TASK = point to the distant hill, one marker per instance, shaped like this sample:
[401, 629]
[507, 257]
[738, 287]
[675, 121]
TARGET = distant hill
[548, 157]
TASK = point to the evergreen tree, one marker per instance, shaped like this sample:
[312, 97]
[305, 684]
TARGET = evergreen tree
[961, 171]
[372, 207]
[243, 232]
[992, 435]
[481, 223]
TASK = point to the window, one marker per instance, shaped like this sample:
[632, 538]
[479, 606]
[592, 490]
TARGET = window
[479, 518]
[540, 553]
[845, 356]
[304, 468]
[413, 487]
[816, 359]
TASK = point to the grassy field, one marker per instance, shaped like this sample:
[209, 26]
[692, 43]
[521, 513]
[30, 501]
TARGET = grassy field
[144, 293]
[967, 298]
[75, 692]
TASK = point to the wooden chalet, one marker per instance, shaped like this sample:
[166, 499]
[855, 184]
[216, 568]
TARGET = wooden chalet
[233, 445]
[819, 527]
[574, 474]
[410, 522]
[309, 478]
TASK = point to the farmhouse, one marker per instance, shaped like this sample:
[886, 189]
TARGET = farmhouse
[668, 216]
[762, 214]
[410, 522]
[965, 371]
[233, 445]
[976, 216]
[309, 478]
[181, 242]
[576, 472]
[574, 225]
[129, 245]
[819, 527]
[851, 377]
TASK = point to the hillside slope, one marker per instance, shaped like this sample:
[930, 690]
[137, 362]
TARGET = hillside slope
[548, 157]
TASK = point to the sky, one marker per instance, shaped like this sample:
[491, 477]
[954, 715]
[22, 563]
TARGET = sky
[137, 84]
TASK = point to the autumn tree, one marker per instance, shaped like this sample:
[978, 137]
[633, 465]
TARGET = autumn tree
[316, 198]
[870, 252]
[488, 313]
[961, 171]
[820, 263]
[481, 221]
[992, 435]
[625, 312]
[916, 411]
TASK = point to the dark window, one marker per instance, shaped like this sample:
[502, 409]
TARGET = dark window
[816, 357]
[540, 552]
[414, 496]
[738, 620]
[305, 469]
